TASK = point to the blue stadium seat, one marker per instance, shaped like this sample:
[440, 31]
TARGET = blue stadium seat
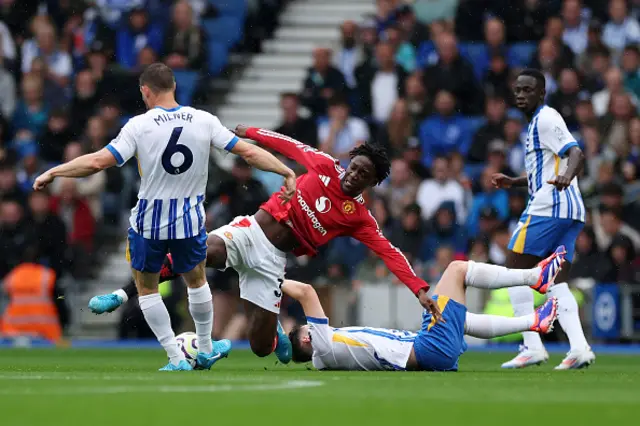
[236, 8]
[522, 53]
[225, 29]
[186, 82]
[218, 55]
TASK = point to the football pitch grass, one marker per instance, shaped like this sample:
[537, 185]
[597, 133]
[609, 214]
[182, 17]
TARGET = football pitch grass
[121, 387]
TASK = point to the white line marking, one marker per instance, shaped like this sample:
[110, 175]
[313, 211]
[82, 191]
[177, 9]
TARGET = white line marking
[104, 390]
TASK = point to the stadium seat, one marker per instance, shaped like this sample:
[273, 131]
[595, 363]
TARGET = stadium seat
[235, 8]
[522, 53]
[186, 82]
[225, 29]
[218, 55]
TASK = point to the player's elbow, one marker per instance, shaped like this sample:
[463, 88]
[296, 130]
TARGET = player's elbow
[307, 291]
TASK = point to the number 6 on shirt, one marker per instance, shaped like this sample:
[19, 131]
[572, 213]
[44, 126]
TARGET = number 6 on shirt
[173, 147]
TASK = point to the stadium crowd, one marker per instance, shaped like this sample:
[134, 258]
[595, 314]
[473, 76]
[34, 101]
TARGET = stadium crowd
[427, 79]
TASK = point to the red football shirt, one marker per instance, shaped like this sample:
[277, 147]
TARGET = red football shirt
[320, 211]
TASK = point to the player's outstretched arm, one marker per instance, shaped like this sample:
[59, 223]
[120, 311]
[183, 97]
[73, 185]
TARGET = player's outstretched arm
[264, 160]
[500, 180]
[297, 151]
[306, 295]
[85, 165]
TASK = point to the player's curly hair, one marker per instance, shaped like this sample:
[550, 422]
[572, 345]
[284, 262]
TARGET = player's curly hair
[378, 157]
[297, 351]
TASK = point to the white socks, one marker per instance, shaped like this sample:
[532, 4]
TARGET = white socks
[522, 302]
[201, 308]
[569, 316]
[482, 275]
[157, 316]
[120, 292]
[490, 326]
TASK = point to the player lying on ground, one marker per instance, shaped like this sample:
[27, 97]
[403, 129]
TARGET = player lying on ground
[438, 345]
[328, 203]
[169, 215]
[554, 216]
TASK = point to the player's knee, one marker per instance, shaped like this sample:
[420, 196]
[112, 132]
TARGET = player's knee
[216, 252]
[261, 348]
[459, 267]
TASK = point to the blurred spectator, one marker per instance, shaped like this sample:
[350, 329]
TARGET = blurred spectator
[368, 38]
[95, 136]
[385, 14]
[615, 125]
[137, 33]
[323, 82]
[620, 255]
[342, 132]
[109, 111]
[81, 29]
[350, 54]
[479, 250]
[401, 188]
[607, 224]
[29, 168]
[585, 115]
[295, 126]
[517, 204]
[614, 85]
[453, 74]
[47, 231]
[9, 189]
[444, 231]
[612, 197]
[489, 197]
[413, 156]
[405, 53]
[79, 223]
[435, 268]
[13, 228]
[525, 19]
[381, 84]
[631, 67]
[58, 63]
[7, 46]
[7, 88]
[85, 99]
[415, 31]
[112, 11]
[398, 129]
[428, 11]
[17, 14]
[495, 111]
[433, 192]
[494, 45]
[56, 136]
[575, 26]
[31, 113]
[621, 29]
[497, 157]
[594, 68]
[498, 248]
[565, 98]
[418, 103]
[446, 131]
[587, 261]
[497, 80]
[185, 43]
[89, 189]
[554, 31]
[407, 233]
[239, 195]
[53, 95]
[548, 60]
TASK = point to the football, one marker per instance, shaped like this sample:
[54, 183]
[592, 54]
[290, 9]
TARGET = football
[189, 345]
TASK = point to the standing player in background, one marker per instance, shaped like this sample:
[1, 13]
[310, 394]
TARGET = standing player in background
[328, 203]
[172, 144]
[437, 346]
[554, 216]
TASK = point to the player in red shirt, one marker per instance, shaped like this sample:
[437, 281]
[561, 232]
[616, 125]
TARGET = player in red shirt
[328, 203]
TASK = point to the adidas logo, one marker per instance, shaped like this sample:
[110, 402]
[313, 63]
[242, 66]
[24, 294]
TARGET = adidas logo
[325, 179]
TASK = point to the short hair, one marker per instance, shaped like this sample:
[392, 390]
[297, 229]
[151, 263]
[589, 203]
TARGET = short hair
[285, 95]
[378, 157]
[537, 74]
[298, 354]
[338, 100]
[158, 77]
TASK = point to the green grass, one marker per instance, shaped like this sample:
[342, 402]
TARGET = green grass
[121, 387]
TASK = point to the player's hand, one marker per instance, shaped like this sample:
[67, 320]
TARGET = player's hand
[430, 305]
[560, 182]
[241, 130]
[42, 181]
[289, 188]
[500, 180]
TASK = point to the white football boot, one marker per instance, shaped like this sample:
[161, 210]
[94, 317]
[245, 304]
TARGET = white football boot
[577, 359]
[527, 357]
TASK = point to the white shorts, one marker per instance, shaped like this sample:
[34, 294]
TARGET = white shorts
[260, 265]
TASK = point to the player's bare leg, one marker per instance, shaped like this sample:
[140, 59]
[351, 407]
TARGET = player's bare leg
[157, 316]
[261, 329]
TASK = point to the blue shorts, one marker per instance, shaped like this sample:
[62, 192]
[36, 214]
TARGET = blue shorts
[540, 236]
[439, 345]
[148, 255]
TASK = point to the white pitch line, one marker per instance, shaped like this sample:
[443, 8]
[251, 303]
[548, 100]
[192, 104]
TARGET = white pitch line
[287, 385]
[153, 376]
